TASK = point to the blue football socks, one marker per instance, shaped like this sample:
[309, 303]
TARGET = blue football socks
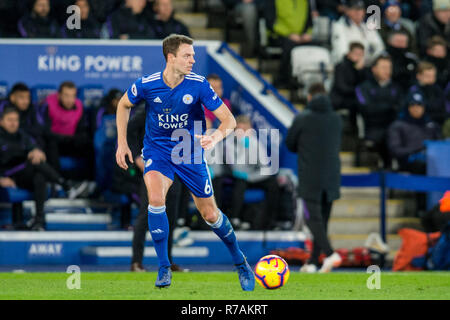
[158, 224]
[224, 230]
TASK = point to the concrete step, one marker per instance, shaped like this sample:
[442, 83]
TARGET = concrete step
[359, 208]
[350, 241]
[268, 77]
[369, 225]
[206, 34]
[193, 20]
[355, 170]
[347, 159]
[253, 63]
[360, 193]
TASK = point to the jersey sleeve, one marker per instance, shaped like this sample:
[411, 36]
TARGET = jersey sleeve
[135, 92]
[208, 97]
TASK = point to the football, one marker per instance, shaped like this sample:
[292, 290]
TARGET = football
[271, 272]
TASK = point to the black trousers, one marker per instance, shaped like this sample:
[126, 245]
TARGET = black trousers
[272, 190]
[35, 178]
[141, 223]
[317, 215]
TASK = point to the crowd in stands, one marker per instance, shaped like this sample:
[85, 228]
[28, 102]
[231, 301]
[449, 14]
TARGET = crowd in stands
[395, 79]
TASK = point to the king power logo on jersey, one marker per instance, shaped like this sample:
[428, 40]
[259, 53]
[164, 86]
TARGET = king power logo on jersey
[173, 121]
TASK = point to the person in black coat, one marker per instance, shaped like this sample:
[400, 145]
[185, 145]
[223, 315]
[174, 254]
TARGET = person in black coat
[437, 54]
[90, 27]
[20, 98]
[316, 136]
[347, 75]
[23, 164]
[135, 134]
[379, 100]
[432, 93]
[406, 136]
[39, 23]
[434, 23]
[164, 24]
[130, 22]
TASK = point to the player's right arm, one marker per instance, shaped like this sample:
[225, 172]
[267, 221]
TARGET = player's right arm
[122, 117]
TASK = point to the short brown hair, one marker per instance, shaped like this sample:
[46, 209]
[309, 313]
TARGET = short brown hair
[425, 65]
[243, 118]
[356, 45]
[316, 88]
[173, 42]
[66, 84]
[436, 41]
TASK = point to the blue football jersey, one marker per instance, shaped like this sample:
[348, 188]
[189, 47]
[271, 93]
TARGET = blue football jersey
[170, 109]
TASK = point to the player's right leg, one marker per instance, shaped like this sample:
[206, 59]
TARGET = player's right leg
[157, 186]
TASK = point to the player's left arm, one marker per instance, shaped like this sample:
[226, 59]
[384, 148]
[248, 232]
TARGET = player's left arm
[227, 125]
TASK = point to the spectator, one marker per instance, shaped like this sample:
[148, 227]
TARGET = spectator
[216, 83]
[293, 25]
[38, 23]
[101, 9]
[246, 11]
[20, 98]
[240, 149]
[433, 95]
[352, 28]
[66, 127]
[329, 8]
[393, 22]
[164, 23]
[105, 136]
[90, 27]
[347, 75]
[130, 22]
[315, 135]
[406, 136]
[436, 23]
[437, 54]
[23, 164]
[379, 101]
[403, 61]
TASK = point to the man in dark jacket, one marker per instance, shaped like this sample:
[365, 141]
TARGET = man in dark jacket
[20, 98]
[316, 136]
[23, 164]
[130, 22]
[347, 75]
[164, 23]
[433, 95]
[90, 27]
[379, 101]
[406, 136]
[437, 54]
[436, 23]
[39, 23]
[136, 132]
[404, 62]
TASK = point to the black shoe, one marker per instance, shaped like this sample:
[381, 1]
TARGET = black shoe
[176, 268]
[37, 226]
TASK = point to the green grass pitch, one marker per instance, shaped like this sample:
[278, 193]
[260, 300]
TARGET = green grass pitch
[224, 286]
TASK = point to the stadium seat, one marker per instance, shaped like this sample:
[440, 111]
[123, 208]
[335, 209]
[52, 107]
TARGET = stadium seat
[14, 195]
[311, 64]
[70, 163]
[116, 198]
[254, 195]
[3, 89]
[91, 95]
[40, 92]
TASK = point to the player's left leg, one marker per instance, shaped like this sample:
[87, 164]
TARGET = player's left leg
[222, 227]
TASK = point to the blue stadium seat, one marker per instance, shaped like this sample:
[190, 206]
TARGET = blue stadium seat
[40, 92]
[70, 163]
[254, 195]
[3, 89]
[91, 95]
[15, 195]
